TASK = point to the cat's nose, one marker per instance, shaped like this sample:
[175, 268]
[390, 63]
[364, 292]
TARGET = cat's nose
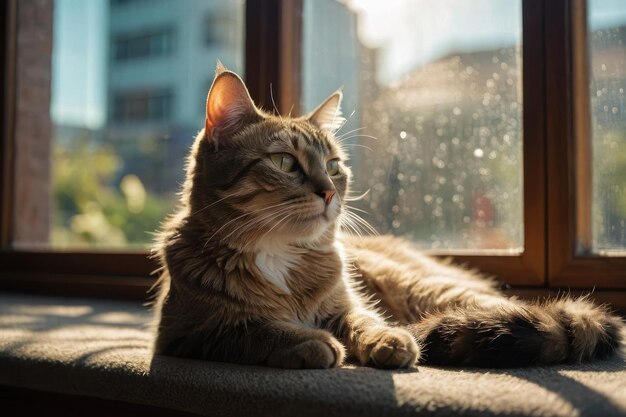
[326, 195]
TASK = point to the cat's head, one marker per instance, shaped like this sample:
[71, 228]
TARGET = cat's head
[255, 177]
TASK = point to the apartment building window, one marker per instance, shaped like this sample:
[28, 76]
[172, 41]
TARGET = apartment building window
[218, 29]
[142, 106]
[125, 2]
[148, 44]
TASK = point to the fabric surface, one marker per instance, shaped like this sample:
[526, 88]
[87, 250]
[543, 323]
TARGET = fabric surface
[101, 349]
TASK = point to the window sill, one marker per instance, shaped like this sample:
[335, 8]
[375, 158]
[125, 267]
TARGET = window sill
[100, 349]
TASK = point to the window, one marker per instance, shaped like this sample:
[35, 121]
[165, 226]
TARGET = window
[152, 43]
[607, 106]
[120, 120]
[434, 99]
[499, 123]
[218, 30]
[124, 2]
[585, 175]
[141, 106]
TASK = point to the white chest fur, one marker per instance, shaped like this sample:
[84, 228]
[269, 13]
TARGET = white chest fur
[275, 260]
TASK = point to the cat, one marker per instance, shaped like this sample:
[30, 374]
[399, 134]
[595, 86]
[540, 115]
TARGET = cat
[256, 269]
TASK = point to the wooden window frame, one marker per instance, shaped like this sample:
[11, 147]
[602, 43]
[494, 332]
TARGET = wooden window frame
[572, 263]
[529, 267]
[274, 33]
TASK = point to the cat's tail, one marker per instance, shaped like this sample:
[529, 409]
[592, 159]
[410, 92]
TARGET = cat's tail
[518, 334]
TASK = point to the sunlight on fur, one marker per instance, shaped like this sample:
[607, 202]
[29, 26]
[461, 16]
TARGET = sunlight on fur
[265, 263]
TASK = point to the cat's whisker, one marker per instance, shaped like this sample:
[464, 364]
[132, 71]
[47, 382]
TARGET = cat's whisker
[285, 216]
[347, 223]
[213, 203]
[360, 197]
[358, 226]
[357, 136]
[274, 103]
[257, 219]
[345, 121]
[277, 223]
[338, 138]
[359, 220]
[241, 216]
[357, 209]
[358, 146]
[260, 221]
[351, 131]
[223, 226]
[365, 224]
[210, 205]
[346, 229]
[353, 230]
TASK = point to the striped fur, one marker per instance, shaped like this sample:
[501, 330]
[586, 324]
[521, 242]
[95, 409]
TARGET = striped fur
[256, 270]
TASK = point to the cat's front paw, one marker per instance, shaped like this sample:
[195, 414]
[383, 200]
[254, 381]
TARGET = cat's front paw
[311, 354]
[389, 348]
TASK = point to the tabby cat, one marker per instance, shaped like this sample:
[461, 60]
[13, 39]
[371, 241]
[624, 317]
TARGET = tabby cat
[255, 268]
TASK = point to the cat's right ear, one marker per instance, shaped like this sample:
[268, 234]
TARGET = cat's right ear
[228, 106]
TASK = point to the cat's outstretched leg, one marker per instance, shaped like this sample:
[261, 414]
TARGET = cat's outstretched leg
[408, 285]
[460, 317]
[592, 331]
[519, 334]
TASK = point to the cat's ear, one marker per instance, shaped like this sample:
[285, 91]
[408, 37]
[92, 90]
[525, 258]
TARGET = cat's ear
[228, 106]
[327, 116]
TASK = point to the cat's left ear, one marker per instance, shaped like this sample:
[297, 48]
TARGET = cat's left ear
[327, 116]
[228, 106]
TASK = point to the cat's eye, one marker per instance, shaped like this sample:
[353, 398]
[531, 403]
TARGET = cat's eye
[332, 167]
[284, 162]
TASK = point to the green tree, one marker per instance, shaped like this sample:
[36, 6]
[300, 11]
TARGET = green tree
[92, 209]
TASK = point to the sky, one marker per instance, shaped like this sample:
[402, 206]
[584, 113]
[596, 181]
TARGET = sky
[78, 62]
[606, 13]
[415, 32]
[412, 32]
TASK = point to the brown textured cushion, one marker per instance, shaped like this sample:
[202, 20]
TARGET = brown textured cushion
[101, 349]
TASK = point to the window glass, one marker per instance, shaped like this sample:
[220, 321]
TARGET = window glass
[129, 80]
[607, 67]
[433, 99]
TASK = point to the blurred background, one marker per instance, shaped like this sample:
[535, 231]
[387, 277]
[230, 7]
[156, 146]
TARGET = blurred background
[433, 99]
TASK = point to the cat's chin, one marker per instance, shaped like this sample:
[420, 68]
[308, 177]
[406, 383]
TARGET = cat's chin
[315, 231]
